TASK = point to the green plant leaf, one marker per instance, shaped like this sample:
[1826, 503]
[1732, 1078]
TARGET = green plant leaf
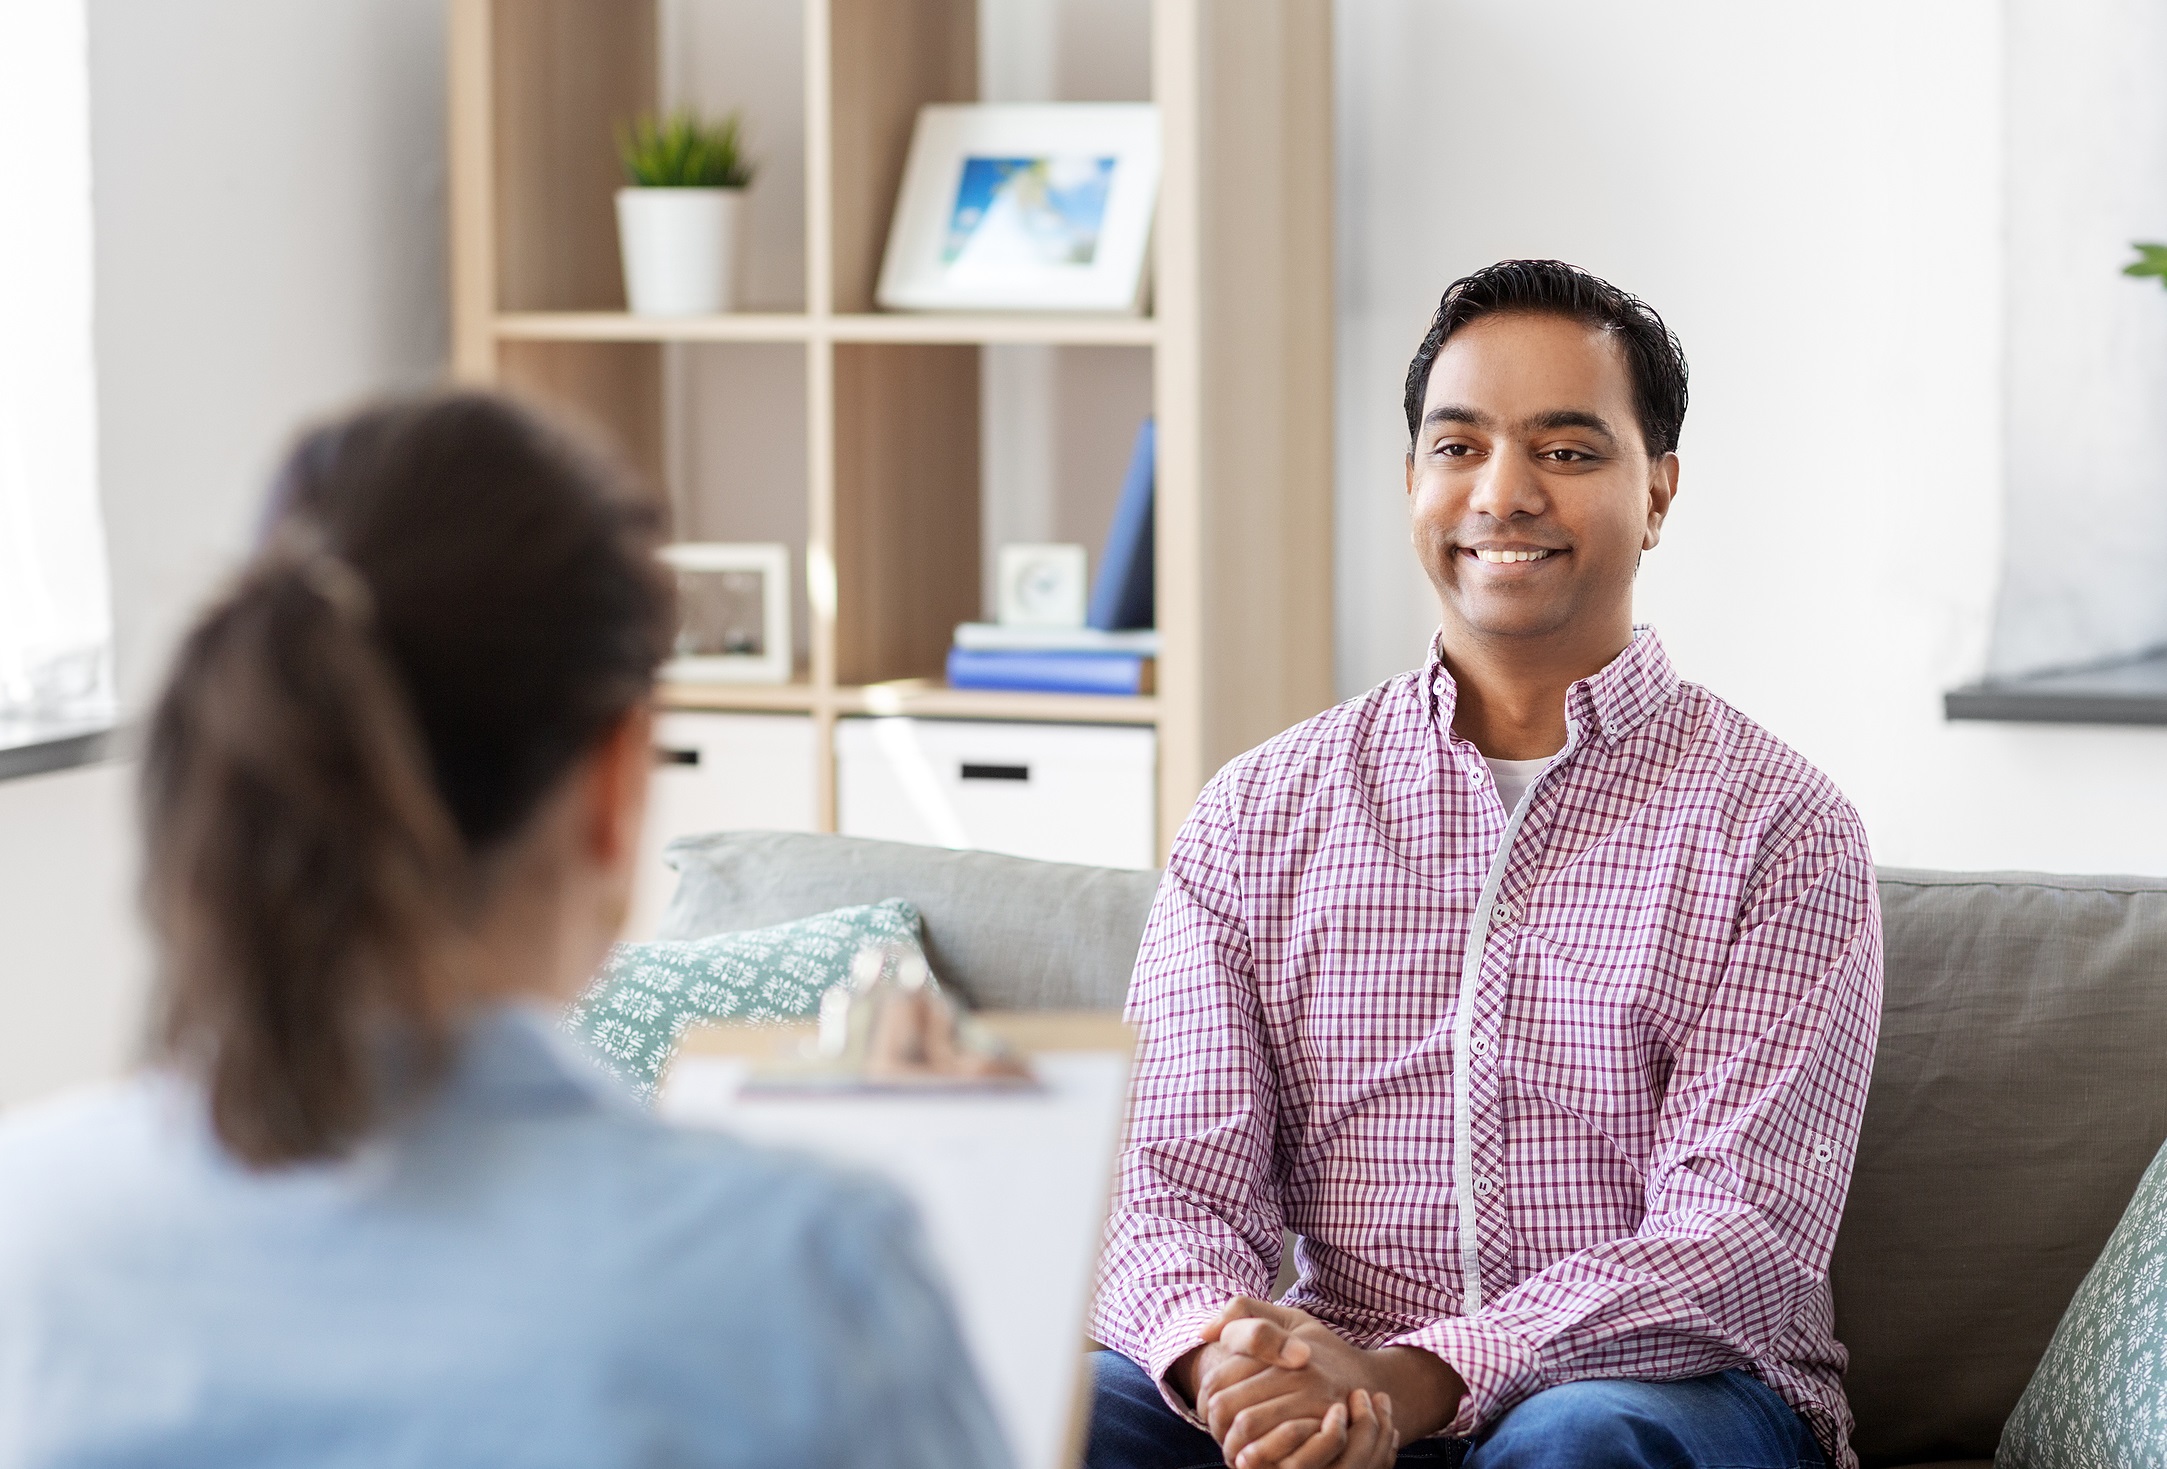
[683, 151]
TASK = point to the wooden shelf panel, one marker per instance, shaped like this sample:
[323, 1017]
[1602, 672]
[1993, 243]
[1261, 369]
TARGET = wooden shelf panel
[798, 697]
[918, 697]
[623, 326]
[1049, 328]
[923, 697]
[619, 326]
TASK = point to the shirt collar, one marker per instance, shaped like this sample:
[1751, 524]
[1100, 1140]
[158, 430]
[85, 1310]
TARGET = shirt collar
[1608, 705]
[516, 1058]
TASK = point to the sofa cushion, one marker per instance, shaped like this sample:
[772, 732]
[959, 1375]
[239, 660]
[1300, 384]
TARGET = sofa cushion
[2015, 1102]
[649, 993]
[2100, 1395]
[1005, 932]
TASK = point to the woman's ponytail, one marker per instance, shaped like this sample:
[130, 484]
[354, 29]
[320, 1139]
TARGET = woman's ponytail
[303, 868]
[452, 604]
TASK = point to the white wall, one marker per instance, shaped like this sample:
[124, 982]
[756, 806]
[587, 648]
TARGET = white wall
[269, 182]
[1812, 196]
[72, 957]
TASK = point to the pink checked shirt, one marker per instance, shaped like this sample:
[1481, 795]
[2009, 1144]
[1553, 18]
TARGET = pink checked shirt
[1563, 1092]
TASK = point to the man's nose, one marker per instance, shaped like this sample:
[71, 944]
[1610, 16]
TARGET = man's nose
[1508, 486]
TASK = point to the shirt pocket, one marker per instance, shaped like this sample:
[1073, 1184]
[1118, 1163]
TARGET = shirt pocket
[1581, 1035]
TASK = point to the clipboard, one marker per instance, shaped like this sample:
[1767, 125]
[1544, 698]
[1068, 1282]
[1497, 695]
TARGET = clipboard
[1012, 1186]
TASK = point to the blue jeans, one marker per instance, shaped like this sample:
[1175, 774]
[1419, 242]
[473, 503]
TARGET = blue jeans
[1731, 1420]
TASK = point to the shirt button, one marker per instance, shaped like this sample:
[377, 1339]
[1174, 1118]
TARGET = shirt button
[1505, 914]
[1485, 1186]
[1824, 1153]
[1479, 1046]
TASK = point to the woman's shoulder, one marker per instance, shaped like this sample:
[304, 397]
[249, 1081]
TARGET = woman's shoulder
[89, 1141]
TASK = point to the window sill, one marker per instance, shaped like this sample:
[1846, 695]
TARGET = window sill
[34, 747]
[2130, 692]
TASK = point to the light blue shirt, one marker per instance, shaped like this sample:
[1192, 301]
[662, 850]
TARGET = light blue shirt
[531, 1271]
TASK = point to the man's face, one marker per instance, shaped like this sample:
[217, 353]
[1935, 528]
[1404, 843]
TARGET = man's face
[1531, 491]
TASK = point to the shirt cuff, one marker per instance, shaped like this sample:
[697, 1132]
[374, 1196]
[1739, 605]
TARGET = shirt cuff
[1499, 1367]
[1176, 1337]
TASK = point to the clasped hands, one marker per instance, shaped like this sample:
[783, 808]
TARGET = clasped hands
[1281, 1390]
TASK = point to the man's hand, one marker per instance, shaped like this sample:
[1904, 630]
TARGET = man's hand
[1277, 1386]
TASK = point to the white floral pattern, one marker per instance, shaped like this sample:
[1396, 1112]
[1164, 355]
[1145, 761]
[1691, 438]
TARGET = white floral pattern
[2099, 1398]
[648, 993]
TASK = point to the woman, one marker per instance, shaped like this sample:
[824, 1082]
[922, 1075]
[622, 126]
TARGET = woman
[365, 1208]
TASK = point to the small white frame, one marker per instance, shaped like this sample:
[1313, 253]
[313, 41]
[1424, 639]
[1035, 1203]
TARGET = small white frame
[918, 275]
[774, 662]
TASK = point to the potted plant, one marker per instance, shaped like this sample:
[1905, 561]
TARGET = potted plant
[680, 220]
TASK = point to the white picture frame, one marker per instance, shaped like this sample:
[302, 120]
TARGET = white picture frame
[1025, 207]
[733, 612]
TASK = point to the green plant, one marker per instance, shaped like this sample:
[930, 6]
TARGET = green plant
[2151, 260]
[681, 151]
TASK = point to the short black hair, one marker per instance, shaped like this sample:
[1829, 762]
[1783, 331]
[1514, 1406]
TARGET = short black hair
[1652, 353]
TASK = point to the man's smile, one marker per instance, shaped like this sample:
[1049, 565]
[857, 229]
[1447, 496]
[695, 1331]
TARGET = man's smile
[1510, 555]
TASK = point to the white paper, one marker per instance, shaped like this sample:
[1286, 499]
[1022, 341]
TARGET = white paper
[1013, 1191]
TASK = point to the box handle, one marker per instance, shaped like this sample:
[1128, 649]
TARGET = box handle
[667, 756]
[995, 772]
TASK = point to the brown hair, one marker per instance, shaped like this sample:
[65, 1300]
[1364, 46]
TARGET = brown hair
[451, 603]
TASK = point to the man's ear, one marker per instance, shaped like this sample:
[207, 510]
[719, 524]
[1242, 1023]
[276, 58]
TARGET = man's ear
[1662, 490]
[1410, 471]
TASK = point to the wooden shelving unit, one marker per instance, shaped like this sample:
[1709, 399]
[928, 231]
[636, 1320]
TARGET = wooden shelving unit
[621, 326]
[1240, 344]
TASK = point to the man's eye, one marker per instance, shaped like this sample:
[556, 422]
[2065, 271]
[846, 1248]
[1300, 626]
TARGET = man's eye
[1455, 451]
[1568, 456]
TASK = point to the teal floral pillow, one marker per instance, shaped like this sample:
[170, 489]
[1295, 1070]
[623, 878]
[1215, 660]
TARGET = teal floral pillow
[2099, 1397]
[647, 994]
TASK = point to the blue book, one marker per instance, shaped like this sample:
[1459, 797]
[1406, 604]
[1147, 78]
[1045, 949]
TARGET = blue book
[1122, 596]
[1049, 673]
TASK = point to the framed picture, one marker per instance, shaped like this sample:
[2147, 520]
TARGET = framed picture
[1025, 208]
[733, 608]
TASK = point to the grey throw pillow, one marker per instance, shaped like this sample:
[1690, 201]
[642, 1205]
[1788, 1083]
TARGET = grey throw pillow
[2099, 1397]
[648, 993]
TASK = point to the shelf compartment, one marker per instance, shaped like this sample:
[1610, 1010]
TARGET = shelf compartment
[906, 449]
[566, 73]
[613, 387]
[887, 58]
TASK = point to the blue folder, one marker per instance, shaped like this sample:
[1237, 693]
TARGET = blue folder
[1122, 596]
[1048, 673]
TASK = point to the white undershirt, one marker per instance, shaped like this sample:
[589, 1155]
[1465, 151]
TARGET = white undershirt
[1513, 777]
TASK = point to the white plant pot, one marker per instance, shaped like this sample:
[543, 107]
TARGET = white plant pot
[681, 249]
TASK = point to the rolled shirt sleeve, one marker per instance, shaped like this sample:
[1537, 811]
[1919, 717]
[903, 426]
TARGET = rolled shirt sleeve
[1196, 1219]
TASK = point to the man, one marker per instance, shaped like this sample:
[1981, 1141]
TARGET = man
[1535, 993]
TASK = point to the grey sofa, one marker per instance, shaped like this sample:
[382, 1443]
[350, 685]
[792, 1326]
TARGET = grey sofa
[2020, 1088]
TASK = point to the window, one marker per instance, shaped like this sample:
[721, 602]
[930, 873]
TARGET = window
[2080, 631]
[55, 608]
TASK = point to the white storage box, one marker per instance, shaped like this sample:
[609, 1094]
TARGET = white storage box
[720, 772]
[1058, 792]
